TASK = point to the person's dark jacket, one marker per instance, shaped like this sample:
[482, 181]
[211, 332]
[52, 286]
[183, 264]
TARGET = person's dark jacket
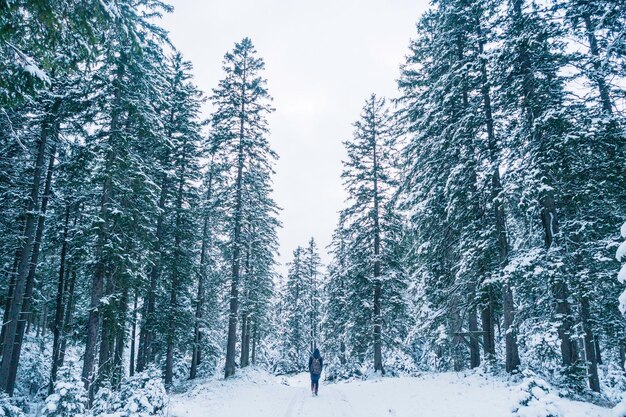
[316, 355]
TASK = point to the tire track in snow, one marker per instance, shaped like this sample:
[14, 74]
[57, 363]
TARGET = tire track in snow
[341, 403]
[331, 403]
[296, 400]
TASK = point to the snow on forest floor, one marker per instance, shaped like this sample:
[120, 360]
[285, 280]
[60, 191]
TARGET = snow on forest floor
[255, 393]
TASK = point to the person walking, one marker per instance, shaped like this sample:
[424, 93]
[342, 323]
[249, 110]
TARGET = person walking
[316, 363]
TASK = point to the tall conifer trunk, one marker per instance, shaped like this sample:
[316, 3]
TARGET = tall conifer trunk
[58, 316]
[144, 355]
[197, 335]
[378, 357]
[231, 344]
[97, 283]
[473, 340]
[6, 365]
[169, 357]
[25, 313]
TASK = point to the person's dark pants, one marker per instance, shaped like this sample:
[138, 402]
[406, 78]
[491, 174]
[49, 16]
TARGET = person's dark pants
[315, 383]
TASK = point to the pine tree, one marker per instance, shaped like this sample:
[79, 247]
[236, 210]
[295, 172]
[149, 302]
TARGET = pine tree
[313, 275]
[369, 181]
[336, 315]
[537, 124]
[183, 132]
[301, 312]
[242, 104]
[443, 184]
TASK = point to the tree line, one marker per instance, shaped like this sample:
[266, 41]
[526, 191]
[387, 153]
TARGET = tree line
[130, 226]
[485, 203]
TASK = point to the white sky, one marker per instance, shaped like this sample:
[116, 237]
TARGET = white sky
[323, 59]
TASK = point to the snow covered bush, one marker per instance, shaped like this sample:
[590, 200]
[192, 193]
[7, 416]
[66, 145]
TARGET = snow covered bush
[399, 363]
[104, 400]
[69, 398]
[620, 409]
[142, 395]
[7, 408]
[621, 256]
[535, 398]
[34, 371]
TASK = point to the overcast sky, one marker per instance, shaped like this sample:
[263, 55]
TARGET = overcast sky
[323, 59]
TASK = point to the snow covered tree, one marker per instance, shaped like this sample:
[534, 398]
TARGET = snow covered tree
[242, 104]
[257, 283]
[369, 222]
[297, 315]
[444, 111]
[313, 276]
[211, 263]
[183, 134]
[336, 316]
[69, 397]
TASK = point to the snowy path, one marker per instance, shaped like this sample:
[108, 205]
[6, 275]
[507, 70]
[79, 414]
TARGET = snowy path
[257, 394]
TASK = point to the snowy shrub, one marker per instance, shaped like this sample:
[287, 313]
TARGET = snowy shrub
[284, 367]
[400, 363]
[335, 371]
[613, 381]
[535, 398]
[34, 371]
[7, 408]
[142, 395]
[621, 256]
[104, 401]
[69, 398]
[620, 409]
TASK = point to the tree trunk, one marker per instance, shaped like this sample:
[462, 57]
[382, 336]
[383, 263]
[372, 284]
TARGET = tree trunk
[120, 340]
[512, 362]
[255, 336]
[133, 337]
[590, 355]
[489, 345]
[67, 321]
[378, 357]
[6, 366]
[596, 349]
[231, 343]
[248, 339]
[603, 88]
[569, 353]
[342, 352]
[473, 342]
[169, 357]
[197, 336]
[58, 316]
[44, 314]
[107, 334]
[7, 306]
[243, 362]
[148, 320]
[30, 280]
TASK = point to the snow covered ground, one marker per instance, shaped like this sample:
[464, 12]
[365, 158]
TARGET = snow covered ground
[257, 394]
